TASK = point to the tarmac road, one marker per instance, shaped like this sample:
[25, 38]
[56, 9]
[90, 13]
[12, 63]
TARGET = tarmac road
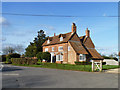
[30, 77]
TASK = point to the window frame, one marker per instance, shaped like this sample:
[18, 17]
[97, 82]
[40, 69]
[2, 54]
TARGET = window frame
[69, 48]
[53, 49]
[59, 48]
[61, 38]
[46, 50]
[82, 57]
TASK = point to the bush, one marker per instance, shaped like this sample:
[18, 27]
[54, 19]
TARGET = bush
[106, 57]
[103, 63]
[12, 55]
[46, 56]
[39, 55]
[24, 61]
[83, 63]
[3, 58]
[115, 58]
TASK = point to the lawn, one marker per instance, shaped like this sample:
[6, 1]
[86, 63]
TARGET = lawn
[70, 67]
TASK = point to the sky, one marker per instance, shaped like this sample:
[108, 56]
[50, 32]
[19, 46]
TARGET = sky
[100, 18]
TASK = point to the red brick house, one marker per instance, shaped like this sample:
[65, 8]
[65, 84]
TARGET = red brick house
[69, 47]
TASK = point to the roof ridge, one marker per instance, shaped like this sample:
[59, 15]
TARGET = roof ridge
[61, 33]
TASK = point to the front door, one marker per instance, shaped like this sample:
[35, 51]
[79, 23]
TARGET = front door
[54, 59]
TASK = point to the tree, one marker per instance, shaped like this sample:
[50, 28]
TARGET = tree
[36, 46]
[8, 50]
[39, 55]
[46, 56]
[19, 49]
[30, 51]
[11, 55]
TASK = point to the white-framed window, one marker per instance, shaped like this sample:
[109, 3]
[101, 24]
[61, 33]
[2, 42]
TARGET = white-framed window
[60, 48]
[52, 48]
[46, 49]
[59, 57]
[61, 38]
[82, 57]
[48, 41]
[69, 48]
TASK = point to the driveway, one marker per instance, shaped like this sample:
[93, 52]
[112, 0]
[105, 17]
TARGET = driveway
[30, 77]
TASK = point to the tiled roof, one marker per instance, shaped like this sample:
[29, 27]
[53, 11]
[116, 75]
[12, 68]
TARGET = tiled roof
[77, 46]
[90, 47]
[56, 39]
[94, 53]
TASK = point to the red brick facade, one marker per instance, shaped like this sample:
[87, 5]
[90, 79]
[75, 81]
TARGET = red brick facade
[74, 43]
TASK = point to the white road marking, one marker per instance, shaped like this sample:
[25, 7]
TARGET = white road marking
[12, 74]
[1, 67]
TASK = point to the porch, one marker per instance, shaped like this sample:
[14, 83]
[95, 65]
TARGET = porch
[57, 57]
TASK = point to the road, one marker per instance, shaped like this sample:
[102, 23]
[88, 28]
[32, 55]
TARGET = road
[31, 77]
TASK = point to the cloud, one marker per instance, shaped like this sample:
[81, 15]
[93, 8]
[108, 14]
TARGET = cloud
[46, 27]
[107, 50]
[104, 15]
[4, 21]
[3, 39]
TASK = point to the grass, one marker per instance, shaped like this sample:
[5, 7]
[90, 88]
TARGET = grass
[70, 66]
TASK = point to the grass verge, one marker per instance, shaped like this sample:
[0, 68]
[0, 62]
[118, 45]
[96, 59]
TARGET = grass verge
[69, 66]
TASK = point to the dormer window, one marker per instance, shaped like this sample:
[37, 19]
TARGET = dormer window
[61, 38]
[48, 41]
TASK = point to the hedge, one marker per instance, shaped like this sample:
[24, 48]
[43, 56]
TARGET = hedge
[28, 61]
[44, 55]
[87, 63]
[3, 58]
[83, 63]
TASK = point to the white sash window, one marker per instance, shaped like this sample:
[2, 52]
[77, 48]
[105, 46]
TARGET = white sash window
[82, 57]
[46, 49]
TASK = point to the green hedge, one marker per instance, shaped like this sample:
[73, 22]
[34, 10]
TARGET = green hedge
[11, 55]
[3, 58]
[87, 63]
[44, 55]
[83, 63]
[28, 61]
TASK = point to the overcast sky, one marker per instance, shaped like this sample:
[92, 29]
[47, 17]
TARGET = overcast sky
[100, 18]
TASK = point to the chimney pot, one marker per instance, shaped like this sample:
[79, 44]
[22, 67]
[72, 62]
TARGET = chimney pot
[87, 32]
[73, 27]
[54, 34]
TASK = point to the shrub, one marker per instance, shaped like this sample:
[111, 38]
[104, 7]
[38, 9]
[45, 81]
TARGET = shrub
[39, 55]
[28, 61]
[3, 58]
[115, 58]
[46, 56]
[106, 57]
[83, 63]
[39, 62]
[103, 63]
[11, 55]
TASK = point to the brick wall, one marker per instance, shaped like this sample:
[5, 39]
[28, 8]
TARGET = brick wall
[72, 56]
[65, 49]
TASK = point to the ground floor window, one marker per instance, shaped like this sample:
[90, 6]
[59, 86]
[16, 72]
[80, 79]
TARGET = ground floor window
[59, 57]
[82, 57]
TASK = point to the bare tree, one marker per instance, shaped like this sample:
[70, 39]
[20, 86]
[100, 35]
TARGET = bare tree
[19, 48]
[8, 50]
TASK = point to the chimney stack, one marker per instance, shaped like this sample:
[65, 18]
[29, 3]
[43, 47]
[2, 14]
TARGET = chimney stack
[54, 34]
[87, 33]
[73, 27]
